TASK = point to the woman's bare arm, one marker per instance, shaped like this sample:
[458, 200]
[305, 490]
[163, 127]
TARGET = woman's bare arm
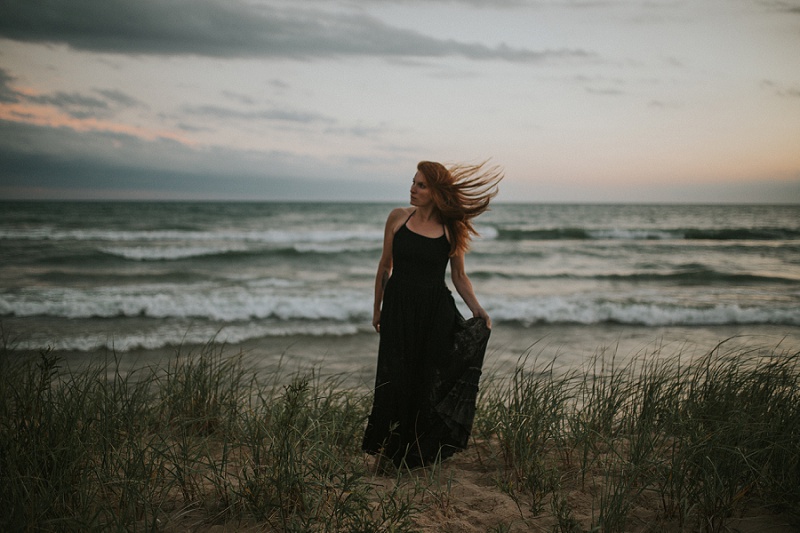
[385, 263]
[464, 287]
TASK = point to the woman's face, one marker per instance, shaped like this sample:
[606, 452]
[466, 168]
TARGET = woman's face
[420, 193]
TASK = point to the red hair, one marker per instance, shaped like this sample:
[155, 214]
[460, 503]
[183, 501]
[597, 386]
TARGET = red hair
[460, 193]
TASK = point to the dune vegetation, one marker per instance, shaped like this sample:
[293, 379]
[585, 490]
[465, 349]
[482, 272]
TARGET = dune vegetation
[203, 443]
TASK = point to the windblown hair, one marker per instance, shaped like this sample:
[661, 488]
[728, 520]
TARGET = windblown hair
[461, 193]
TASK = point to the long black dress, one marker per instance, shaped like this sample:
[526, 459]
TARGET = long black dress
[429, 359]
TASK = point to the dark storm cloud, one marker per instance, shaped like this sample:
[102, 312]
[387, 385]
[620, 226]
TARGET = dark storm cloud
[92, 177]
[499, 4]
[231, 28]
[42, 162]
[476, 3]
[63, 143]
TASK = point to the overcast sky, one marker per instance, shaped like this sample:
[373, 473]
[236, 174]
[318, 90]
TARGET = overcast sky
[579, 100]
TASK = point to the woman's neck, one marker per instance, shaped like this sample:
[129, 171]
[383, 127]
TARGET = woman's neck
[426, 214]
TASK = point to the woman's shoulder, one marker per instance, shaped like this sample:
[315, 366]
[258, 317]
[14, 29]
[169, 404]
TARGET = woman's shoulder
[397, 217]
[399, 213]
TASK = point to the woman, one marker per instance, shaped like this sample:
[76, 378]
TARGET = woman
[429, 357]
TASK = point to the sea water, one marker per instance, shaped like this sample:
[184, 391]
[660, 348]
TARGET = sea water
[133, 276]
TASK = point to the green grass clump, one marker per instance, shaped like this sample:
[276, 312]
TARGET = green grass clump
[700, 440]
[201, 441]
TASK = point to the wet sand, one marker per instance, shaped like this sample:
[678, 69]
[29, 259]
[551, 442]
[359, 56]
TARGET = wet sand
[569, 347]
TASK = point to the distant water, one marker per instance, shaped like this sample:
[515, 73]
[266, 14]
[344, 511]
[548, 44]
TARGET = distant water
[83, 276]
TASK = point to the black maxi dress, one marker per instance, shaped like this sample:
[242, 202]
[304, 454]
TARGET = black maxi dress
[429, 359]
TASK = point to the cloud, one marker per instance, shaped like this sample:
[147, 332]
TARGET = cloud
[47, 177]
[363, 132]
[74, 104]
[787, 6]
[471, 3]
[46, 162]
[230, 28]
[601, 85]
[781, 90]
[120, 98]
[237, 97]
[93, 111]
[604, 91]
[225, 113]
[501, 4]
[7, 93]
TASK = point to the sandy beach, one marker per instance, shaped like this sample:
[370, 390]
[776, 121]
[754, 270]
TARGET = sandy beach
[474, 504]
[462, 496]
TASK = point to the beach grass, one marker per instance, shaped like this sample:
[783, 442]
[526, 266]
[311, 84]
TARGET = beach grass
[650, 443]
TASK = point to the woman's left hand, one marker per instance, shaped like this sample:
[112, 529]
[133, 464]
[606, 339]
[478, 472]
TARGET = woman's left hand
[484, 315]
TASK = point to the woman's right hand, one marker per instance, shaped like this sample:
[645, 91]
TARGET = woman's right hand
[376, 321]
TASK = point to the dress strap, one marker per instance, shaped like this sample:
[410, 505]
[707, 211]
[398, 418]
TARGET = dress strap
[409, 217]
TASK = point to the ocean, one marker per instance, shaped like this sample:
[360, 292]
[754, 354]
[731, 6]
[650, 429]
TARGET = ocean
[291, 283]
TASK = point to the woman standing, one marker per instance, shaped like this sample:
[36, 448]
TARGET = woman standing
[429, 357]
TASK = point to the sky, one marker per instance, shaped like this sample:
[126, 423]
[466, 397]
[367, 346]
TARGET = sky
[577, 100]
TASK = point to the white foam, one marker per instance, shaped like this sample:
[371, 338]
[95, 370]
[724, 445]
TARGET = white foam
[242, 236]
[631, 234]
[167, 253]
[328, 248]
[267, 298]
[486, 233]
[178, 335]
[581, 310]
[292, 301]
